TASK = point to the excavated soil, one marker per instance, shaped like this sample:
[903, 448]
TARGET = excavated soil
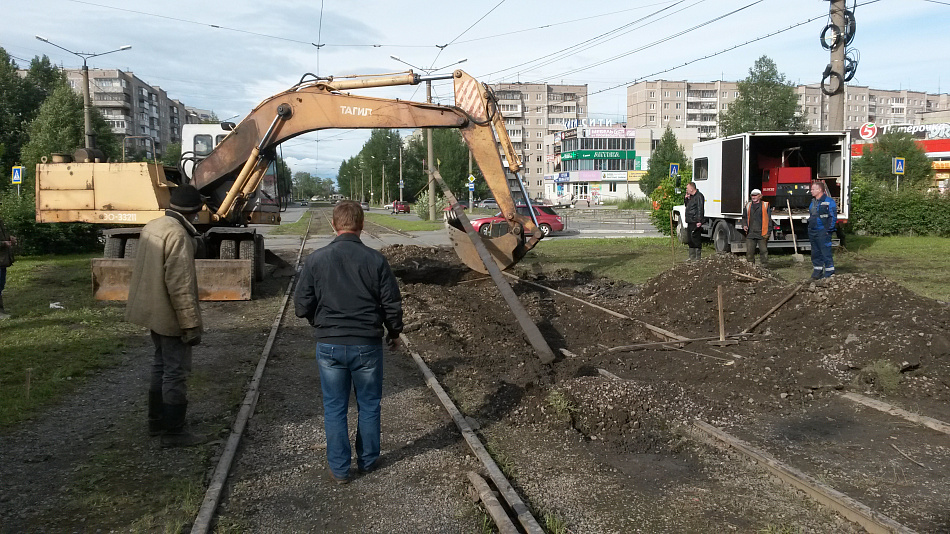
[850, 332]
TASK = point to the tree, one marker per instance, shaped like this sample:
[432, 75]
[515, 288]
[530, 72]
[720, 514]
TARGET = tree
[667, 151]
[451, 155]
[172, 155]
[766, 102]
[58, 127]
[876, 164]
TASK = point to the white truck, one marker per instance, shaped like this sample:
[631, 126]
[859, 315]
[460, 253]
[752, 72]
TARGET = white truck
[782, 165]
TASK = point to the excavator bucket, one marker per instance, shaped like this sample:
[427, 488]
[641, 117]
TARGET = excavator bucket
[217, 279]
[507, 249]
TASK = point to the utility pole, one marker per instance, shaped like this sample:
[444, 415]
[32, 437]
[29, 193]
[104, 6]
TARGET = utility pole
[836, 99]
[89, 135]
[430, 157]
[400, 170]
[471, 193]
[429, 150]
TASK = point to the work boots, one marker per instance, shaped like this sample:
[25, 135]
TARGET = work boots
[155, 422]
[176, 435]
[3, 313]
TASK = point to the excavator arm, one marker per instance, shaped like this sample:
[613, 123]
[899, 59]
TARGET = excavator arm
[233, 171]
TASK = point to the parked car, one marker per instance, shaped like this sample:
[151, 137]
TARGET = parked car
[304, 203]
[488, 203]
[400, 207]
[548, 220]
[388, 206]
[365, 205]
[463, 204]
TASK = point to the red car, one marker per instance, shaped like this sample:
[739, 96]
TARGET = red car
[400, 207]
[548, 220]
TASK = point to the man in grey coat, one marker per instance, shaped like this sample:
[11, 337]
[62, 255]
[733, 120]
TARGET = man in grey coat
[163, 297]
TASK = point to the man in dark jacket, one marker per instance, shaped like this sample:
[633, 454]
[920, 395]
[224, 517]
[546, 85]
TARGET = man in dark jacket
[756, 222]
[163, 297]
[348, 293]
[822, 217]
[695, 215]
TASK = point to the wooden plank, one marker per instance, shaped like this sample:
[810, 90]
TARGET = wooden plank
[666, 334]
[528, 522]
[882, 406]
[494, 508]
[873, 522]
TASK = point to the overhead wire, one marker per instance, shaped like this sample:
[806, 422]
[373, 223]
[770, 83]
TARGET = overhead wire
[656, 42]
[578, 45]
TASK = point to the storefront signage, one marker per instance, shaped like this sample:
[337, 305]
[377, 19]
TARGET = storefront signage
[587, 123]
[634, 176]
[563, 177]
[613, 133]
[613, 175]
[869, 130]
[586, 176]
[568, 134]
[599, 154]
[549, 158]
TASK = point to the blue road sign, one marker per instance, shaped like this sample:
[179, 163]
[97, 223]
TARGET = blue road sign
[898, 164]
[674, 169]
[471, 186]
[18, 174]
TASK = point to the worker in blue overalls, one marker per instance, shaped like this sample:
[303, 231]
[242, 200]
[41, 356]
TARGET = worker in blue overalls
[822, 217]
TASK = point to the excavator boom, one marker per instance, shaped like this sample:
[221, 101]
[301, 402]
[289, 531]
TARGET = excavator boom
[236, 163]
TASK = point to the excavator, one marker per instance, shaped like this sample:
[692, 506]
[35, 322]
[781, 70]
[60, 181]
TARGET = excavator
[237, 185]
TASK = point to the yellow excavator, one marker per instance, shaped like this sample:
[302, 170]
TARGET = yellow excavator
[235, 178]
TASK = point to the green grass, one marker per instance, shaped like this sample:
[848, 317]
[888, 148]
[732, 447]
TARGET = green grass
[405, 225]
[298, 227]
[562, 405]
[634, 260]
[883, 375]
[918, 263]
[56, 348]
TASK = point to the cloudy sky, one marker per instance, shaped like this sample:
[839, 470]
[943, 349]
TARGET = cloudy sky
[228, 56]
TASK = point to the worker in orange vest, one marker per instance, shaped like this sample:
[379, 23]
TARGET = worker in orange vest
[756, 222]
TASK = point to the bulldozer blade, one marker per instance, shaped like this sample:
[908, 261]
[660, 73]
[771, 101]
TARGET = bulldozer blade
[217, 279]
[506, 250]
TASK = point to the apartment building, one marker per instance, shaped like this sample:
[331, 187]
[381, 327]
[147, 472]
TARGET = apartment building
[533, 111]
[142, 116]
[661, 103]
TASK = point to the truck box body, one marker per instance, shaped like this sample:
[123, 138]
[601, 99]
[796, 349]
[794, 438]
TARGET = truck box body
[782, 165]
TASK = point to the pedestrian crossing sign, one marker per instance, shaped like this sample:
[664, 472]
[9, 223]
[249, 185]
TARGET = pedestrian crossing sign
[898, 165]
[18, 174]
[674, 169]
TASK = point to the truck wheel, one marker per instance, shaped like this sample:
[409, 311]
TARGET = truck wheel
[114, 248]
[259, 256]
[248, 251]
[721, 238]
[131, 247]
[681, 233]
[228, 250]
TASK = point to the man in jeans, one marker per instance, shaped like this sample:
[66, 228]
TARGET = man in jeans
[347, 292]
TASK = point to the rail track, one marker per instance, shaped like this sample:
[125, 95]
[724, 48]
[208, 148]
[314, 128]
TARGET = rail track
[875, 438]
[505, 514]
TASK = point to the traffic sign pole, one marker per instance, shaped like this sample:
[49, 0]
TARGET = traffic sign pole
[897, 167]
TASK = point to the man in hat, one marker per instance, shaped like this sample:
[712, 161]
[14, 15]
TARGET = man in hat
[7, 242]
[756, 223]
[163, 297]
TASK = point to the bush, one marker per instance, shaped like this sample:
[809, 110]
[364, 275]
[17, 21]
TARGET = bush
[630, 203]
[664, 197]
[421, 207]
[19, 217]
[876, 209]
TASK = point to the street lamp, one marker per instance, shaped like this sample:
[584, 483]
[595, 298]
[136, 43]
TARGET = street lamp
[429, 149]
[86, 105]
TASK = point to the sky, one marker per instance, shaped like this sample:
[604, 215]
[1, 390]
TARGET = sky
[229, 56]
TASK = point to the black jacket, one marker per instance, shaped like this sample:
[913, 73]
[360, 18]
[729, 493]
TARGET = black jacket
[348, 292]
[695, 208]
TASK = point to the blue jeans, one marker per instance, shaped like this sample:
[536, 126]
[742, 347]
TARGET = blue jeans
[342, 368]
[823, 264]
